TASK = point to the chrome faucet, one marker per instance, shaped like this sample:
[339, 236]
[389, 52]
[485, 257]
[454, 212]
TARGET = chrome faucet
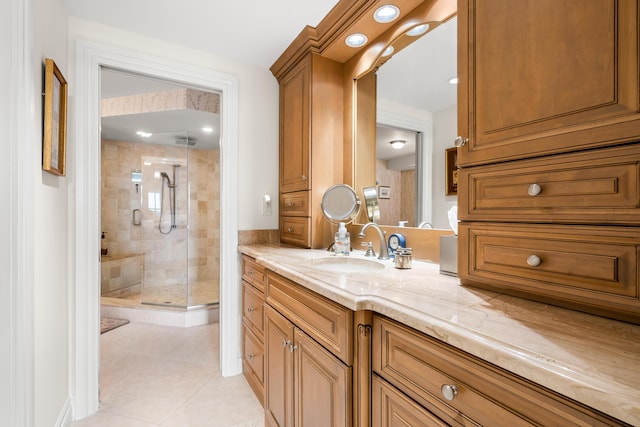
[384, 251]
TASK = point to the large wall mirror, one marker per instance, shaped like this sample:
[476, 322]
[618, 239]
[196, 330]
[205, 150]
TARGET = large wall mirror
[416, 121]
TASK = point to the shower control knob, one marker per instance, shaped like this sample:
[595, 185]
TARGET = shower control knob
[449, 391]
[534, 260]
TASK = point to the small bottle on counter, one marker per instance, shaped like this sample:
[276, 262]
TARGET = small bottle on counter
[342, 243]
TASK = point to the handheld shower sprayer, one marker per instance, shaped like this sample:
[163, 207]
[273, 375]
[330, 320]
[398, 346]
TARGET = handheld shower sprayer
[172, 199]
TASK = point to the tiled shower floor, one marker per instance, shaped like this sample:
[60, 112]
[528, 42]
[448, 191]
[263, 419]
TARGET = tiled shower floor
[154, 375]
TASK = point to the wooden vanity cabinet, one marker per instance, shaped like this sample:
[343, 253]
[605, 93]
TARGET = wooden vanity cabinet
[311, 98]
[425, 382]
[308, 347]
[253, 356]
[551, 114]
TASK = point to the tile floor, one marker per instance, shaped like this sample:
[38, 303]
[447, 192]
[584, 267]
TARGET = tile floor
[154, 375]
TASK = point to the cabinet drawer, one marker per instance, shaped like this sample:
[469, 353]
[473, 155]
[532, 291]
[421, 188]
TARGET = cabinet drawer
[253, 308]
[392, 408]
[592, 187]
[323, 320]
[295, 231]
[252, 272]
[422, 367]
[591, 268]
[295, 204]
[253, 362]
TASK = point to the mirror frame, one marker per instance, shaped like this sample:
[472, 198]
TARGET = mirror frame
[360, 94]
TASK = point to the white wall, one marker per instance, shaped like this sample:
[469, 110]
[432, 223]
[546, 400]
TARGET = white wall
[445, 129]
[51, 257]
[257, 112]
[5, 218]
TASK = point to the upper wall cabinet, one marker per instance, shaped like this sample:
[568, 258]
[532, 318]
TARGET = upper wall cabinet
[546, 77]
[311, 98]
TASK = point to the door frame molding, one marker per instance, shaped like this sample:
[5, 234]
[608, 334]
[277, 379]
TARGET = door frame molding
[85, 195]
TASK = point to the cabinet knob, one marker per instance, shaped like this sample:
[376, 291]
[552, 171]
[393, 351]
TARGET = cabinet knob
[304, 177]
[534, 260]
[290, 204]
[285, 343]
[292, 348]
[251, 356]
[251, 309]
[534, 189]
[290, 230]
[449, 391]
[250, 272]
[460, 141]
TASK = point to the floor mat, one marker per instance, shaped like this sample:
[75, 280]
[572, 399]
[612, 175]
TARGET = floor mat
[109, 323]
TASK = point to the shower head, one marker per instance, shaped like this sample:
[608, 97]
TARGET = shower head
[164, 175]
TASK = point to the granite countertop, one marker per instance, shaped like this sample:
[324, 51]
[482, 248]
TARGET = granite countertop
[587, 358]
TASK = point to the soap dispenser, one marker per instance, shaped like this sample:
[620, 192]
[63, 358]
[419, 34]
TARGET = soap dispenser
[342, 243]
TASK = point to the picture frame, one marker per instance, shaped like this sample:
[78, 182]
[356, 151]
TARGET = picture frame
[384, 192]
[54, 135]
[451, 171]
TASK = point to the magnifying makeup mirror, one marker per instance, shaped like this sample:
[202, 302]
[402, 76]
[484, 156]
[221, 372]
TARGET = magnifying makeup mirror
[340, 203]
[371, 202]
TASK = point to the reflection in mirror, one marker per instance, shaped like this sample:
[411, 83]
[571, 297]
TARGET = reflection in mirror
[414, 96]
[340, 203]
[371, 202]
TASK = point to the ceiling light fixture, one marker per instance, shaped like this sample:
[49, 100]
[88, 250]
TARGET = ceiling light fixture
[397, 143]
[387, 13]
[453, 80]
[207, 129]
[418, 30]
[388, 51]
[144, 134]
[356, 40]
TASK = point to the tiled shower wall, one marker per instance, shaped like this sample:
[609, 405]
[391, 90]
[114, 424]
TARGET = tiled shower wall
[185, 255]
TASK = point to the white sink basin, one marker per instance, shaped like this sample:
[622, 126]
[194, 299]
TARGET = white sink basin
[345, 264]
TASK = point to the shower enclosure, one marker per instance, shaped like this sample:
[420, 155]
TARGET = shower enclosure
[160, 209]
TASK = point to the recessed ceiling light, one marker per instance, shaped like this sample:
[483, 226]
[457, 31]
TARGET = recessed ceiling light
[356, 40]
[207, 129]
[398, 143]
[144, 134]
[453, 80]
[418, 30]
[385, 14]
[388, 51]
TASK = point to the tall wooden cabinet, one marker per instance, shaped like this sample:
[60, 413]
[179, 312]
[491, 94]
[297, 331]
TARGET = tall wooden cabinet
[311, 98]
[549, 114]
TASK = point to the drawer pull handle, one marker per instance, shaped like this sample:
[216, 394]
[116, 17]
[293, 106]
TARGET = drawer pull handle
[251, 309]
[290, 230]
[449, 391]
[460, 141]
[534, 189]
[251, 356]
[534, 260]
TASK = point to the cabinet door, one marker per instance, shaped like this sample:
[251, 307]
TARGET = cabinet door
[322, 387]
[294, 130]
[279, 375]
[546, 76]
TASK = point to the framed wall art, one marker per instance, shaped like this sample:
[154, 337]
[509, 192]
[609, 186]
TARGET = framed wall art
[451, 168]
[384, 192]
[54, 139]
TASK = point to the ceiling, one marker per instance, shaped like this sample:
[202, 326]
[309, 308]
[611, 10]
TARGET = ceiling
[415, 76]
